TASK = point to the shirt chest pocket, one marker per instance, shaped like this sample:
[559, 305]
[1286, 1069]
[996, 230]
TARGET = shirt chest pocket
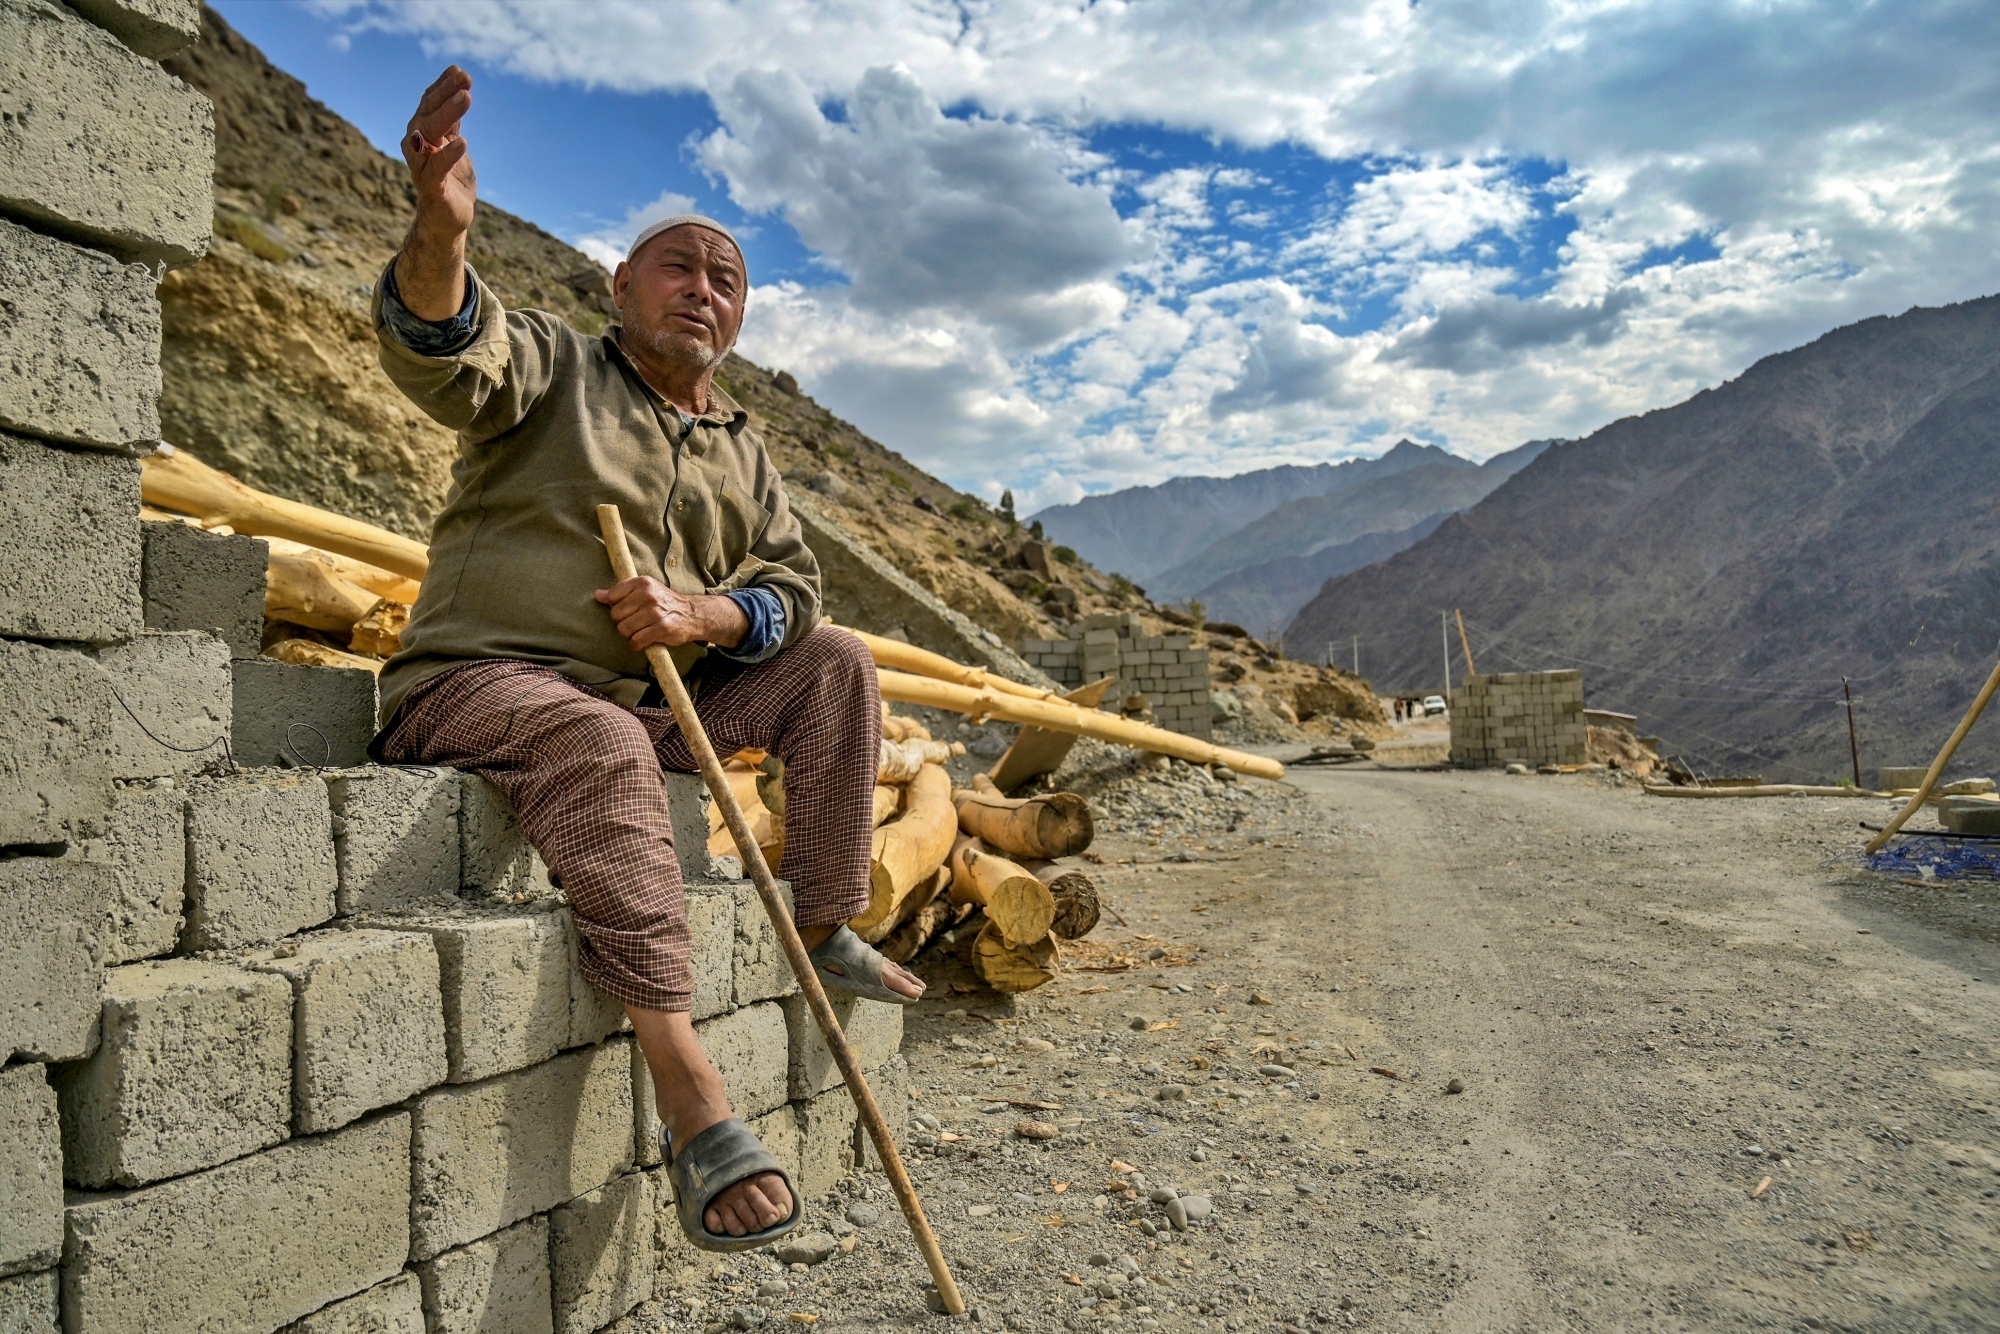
[736, 523]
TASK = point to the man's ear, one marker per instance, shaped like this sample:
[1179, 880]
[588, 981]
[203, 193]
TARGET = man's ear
[621, 278]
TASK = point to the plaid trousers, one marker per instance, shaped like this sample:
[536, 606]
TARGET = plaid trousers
[584, 777]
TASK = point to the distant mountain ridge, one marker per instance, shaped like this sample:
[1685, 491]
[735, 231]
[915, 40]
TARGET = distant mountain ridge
[1143, 530]
[1718, 566]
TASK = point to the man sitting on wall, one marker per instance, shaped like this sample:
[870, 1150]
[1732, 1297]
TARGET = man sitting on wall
[519, 665]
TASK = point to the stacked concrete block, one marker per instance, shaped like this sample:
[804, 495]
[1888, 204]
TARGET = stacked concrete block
[248, 1246]
[874, 1030]
[260, 860]
[214, 582]
[284, 713]
[83, 371]
[98, 143]
[1168, 670]
[489, 1154]
[890, 1084]
[396, 839]
[760, 969]
[601, 1254]
[155, 28]
[51, 962]
[123, 877]
[505, 979]
[593, 1015]
[826, 1125]
[172, 703]
[31, 1181]
[367, 1022]
[394, 1306]
[748, 1049]
[495, 860]
[72, 522]
[496, 1285]
[1531, 718]
[29, 1304]
[193, 1067]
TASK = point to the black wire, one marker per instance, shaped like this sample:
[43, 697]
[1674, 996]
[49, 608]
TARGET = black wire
[222, 740]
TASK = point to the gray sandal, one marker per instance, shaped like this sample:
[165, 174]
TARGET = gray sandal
[860, 968]
[710, 1163]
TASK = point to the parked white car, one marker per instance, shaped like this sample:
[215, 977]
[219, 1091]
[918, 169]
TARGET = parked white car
[1433, 704]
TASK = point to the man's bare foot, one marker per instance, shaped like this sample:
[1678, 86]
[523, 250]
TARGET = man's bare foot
[751, 1205]
[894, 976]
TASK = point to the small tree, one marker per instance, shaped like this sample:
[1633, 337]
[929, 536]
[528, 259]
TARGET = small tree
[1196, 612]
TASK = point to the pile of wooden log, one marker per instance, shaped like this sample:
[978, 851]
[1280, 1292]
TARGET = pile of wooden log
[943, 854]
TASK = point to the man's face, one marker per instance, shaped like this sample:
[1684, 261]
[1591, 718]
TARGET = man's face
[682, 295]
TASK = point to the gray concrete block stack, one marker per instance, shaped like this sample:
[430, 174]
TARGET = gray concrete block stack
[1168, 670]
[1530, 718]
[287, 1041]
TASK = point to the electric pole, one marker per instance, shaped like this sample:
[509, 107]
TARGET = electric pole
[1444, 634]
[1357, 655]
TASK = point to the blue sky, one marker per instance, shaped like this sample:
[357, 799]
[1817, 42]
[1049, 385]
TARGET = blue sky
[1066, 247]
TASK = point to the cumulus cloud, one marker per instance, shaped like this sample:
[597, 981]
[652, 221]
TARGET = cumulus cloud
[608, 245]
[1511, 222]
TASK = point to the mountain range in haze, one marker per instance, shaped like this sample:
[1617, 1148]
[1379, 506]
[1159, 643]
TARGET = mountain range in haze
[1254, 548]
[1717, 567]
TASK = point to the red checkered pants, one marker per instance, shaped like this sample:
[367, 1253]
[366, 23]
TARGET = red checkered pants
[584, 776]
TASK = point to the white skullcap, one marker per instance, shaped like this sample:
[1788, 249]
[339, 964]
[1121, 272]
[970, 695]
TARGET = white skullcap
[684, 220]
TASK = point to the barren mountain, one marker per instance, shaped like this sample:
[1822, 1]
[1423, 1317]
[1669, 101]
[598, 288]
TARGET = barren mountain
[270, 370]
[1717, 567]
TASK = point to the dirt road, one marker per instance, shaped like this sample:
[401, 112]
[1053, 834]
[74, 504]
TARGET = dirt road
[1652, 1006]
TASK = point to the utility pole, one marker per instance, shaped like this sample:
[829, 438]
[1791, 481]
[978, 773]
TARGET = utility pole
[1444, 633]
[1465, 643]
[1357, 655]
[1853, 746]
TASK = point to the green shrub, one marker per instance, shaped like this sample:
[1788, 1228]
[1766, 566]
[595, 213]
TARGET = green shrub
[1067, 555]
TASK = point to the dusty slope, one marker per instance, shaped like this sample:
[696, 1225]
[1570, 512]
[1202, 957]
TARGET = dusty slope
[1718, 566]
[270, 364]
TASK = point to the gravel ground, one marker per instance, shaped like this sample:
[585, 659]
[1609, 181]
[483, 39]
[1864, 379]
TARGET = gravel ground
[1650, 1006]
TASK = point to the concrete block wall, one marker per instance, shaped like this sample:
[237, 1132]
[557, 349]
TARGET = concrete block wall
[1167, 669]
[287, 1041]
[1530, 718]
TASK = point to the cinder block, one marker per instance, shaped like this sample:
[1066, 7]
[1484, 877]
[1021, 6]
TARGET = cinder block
[98, 142]
[593, 1015]
[676, 1262]
[28, 1303]
[496, 860]
[80, 348]
[176, 703]
[325, 714]
[711, 913]
[826, 1141]
[69, 569]
[492, 1153]
[874, 1030]
[395, 837]
[779, 1132]
[50, 963]
[123, 875]
[196, 580]
[367, 1022]
[687, 806]
[496, 1285]
[747, 1049]
[260, 861]
[505, 978]
[247, 1246]
[31, 1171]
[193, 1068]
[761, 971]
[392, 1307]
[154, 28]
[890, 1084]
[601, 1254]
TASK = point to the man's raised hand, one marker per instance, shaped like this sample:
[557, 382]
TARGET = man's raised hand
[440, 163]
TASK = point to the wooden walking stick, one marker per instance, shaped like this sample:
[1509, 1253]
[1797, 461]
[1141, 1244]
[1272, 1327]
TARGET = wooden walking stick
[1938, 764]
[613, 527]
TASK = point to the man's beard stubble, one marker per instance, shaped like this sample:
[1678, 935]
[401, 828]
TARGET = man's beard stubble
[671, 345]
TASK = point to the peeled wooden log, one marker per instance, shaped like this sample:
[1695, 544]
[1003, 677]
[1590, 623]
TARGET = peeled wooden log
[312, 653]
[382, 583]
[1015, 901]
[1075, 893]
[1058, 715]
[1761, 790]
[1013, 968]
[767, 829]
[908, 940]
[771, 784]
[306, 592]
[908, 850]
[174, 479]
[1036, 751]
[922, 662]
[381, 630]
[888, 800]
[1057, 824]
[922, 897]
[902, 759]
[904, 729]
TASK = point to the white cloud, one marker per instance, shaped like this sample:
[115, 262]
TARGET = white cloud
[995, 317]
[608, 245]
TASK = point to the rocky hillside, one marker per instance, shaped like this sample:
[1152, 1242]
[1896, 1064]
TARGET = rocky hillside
[1717, 567]
[270, 368]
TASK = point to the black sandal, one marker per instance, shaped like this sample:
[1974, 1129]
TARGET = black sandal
[709, 1164]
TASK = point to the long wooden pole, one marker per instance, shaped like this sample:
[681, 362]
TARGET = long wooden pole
[1059, 715]
[1938, 764]
[904, 657]
[1853, 742]
[662, 663]
[1463, 643]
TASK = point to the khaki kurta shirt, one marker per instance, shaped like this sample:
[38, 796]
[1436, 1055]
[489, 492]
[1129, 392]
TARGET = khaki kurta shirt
[551, 424]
